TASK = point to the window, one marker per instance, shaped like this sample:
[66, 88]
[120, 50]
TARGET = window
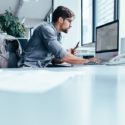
[86, 21]
[104, 11]
[95, 13]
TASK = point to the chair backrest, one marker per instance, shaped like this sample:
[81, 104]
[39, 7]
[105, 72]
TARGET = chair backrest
[10, 52]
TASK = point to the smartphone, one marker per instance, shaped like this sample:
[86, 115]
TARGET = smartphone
[77, 45]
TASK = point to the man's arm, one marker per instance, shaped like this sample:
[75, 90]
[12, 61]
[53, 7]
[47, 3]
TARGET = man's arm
[69, 58]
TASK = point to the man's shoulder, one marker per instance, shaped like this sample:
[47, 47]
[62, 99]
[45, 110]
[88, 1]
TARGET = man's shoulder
[46, 26]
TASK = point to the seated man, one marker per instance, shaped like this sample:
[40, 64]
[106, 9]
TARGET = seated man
[45, 42]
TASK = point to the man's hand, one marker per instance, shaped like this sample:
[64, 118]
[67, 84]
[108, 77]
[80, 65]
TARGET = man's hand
[73, 50]
[95, 60]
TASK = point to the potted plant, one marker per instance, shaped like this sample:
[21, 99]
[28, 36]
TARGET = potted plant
[10, 24]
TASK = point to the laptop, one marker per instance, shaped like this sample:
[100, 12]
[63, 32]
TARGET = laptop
[107, 41]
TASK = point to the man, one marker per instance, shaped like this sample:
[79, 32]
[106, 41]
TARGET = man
[45, 42]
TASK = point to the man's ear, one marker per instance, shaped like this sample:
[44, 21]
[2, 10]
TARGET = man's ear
[60, 19]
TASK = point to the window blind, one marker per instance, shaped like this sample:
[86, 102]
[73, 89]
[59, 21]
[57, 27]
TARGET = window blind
[104, 11]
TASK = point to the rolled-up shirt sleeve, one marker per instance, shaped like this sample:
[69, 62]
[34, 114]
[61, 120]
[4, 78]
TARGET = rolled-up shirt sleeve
[52, 44]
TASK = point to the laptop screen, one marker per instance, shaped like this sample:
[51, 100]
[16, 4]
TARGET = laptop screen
[107, 38]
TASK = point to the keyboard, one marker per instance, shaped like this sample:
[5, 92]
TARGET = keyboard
[92, 63]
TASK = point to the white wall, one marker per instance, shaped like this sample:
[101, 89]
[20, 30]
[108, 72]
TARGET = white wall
[74, 35]
[33, 12]
[36, 10]
[122, 22]
[122, 18]
[7, 4]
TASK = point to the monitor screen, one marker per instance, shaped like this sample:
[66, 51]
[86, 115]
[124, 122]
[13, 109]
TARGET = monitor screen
[107, 37]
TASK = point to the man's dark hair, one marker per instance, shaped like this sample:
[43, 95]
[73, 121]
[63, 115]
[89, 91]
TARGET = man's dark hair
[63, 12]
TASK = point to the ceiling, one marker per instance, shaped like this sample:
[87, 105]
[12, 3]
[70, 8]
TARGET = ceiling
[33, 11]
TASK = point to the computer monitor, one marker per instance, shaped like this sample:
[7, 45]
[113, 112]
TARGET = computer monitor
[107, 40]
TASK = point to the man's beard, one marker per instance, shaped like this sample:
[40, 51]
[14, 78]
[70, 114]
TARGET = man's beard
[65, 30]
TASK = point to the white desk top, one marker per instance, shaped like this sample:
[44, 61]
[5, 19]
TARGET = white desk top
[88, 95]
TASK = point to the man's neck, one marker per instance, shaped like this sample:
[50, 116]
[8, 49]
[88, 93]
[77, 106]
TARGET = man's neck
[57, 26]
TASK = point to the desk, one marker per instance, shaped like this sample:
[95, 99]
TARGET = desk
[92, 95]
